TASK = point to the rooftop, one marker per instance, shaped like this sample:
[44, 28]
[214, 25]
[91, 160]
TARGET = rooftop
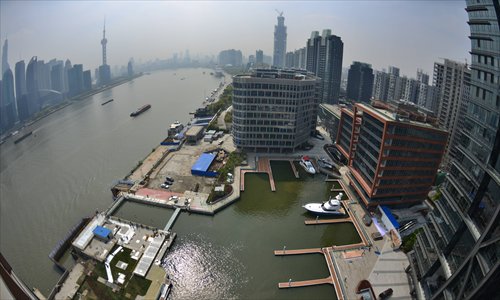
[292, 74]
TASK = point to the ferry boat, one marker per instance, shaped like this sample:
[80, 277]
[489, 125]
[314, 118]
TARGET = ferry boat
[332, 207]
[306, 163]
[140, 110]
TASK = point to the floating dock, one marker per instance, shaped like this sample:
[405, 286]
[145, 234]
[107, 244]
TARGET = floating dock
[172, 219]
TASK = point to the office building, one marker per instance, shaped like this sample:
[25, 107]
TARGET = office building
[279, 42]
[324, 60]
[75, 80]
[457, 254]
[393, 154]
[330, 119]
[289, 60]
[274, 110]
[299, 59]
[8, 114]
[230, 57]
[87, 81]
[360, 82]
[33, 102]
[20, 76]
[452, 81]
[130, 68]
[5, 59]
[259, 57]
[56, 77]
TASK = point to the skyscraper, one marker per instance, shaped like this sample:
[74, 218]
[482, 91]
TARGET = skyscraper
[75, 80]
[21, 91]
[259, 57]
[87, 80]
[5, 61]
[324, 59]
[279, 42]
[32, 86]
[230, 57]
[8, 105]
[56, 77]
[104, 69]
[456, 255]
[452, 81]
[360, 82]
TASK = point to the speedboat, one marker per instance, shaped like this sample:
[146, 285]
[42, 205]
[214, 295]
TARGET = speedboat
[329, 208]
[306, 163]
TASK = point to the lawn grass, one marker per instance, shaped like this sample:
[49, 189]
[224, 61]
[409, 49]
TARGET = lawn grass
[134, 285]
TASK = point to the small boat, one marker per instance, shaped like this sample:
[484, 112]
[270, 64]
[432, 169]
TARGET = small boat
[306, 163]
[23, 137]
[331, 207]
[110, 100]
[140, 110]
[14, 133]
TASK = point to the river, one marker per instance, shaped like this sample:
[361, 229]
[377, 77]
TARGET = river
[65, 169]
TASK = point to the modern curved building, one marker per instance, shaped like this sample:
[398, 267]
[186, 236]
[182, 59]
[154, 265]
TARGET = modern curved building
[457, 256]
[274, 110]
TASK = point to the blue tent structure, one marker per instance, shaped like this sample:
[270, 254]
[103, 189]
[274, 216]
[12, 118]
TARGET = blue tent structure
[201, 166]
[390, 216]
[102, 233]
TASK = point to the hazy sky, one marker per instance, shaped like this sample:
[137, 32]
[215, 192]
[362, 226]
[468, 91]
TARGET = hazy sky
[406, 34]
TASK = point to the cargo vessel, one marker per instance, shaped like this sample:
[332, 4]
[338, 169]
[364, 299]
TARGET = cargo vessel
[23, 137]
[140, 110]
[110, 100]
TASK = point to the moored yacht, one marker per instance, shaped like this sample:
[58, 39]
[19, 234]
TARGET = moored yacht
[306, 163]
[331, 207]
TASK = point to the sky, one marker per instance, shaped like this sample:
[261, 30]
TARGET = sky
[406, 34]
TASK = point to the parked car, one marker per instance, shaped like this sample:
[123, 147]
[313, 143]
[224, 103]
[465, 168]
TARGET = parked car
[169, 179]
[385, 294]
[164, 186]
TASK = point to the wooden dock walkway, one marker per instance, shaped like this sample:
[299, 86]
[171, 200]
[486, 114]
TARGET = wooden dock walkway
[327, 221]
[294, 169]
[263, 166]
[298, 251]
[333, 274]
[292, 284]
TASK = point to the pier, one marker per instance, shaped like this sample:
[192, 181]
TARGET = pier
[327, 221]
[263, 166]
[332, 279]
[172, 219]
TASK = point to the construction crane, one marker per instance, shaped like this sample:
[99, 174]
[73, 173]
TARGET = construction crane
[279, 12]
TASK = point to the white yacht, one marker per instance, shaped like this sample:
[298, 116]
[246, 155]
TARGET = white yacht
[331, 207]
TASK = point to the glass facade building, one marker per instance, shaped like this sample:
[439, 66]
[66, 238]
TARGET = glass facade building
[456, 256]
[274, 110]
[392, 158]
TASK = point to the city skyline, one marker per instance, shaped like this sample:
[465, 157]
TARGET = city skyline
[404, 34]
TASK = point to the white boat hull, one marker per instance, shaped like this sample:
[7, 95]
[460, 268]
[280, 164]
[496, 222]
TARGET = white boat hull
[317, 208]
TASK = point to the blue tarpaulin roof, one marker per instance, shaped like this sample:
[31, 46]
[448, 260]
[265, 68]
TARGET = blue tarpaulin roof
[102, 232]
[201, 166]
[390, 216]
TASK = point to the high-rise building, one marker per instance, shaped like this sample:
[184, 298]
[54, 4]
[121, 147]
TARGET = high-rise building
[5, 58]
[289, 60]
[75, 80]
[130, 68]
[32, 86]
[279, 42]
[274, 110]
[300, 59]
[259, 57]
[20, 76]
[104, 69]
[360, 82]
[422, 77]
[392, 156]
[380, 86]
[87, 80]
[452, 80]
[8, 103]
[230, 57]
[56, 77]
[457, 254]
[324, 59]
